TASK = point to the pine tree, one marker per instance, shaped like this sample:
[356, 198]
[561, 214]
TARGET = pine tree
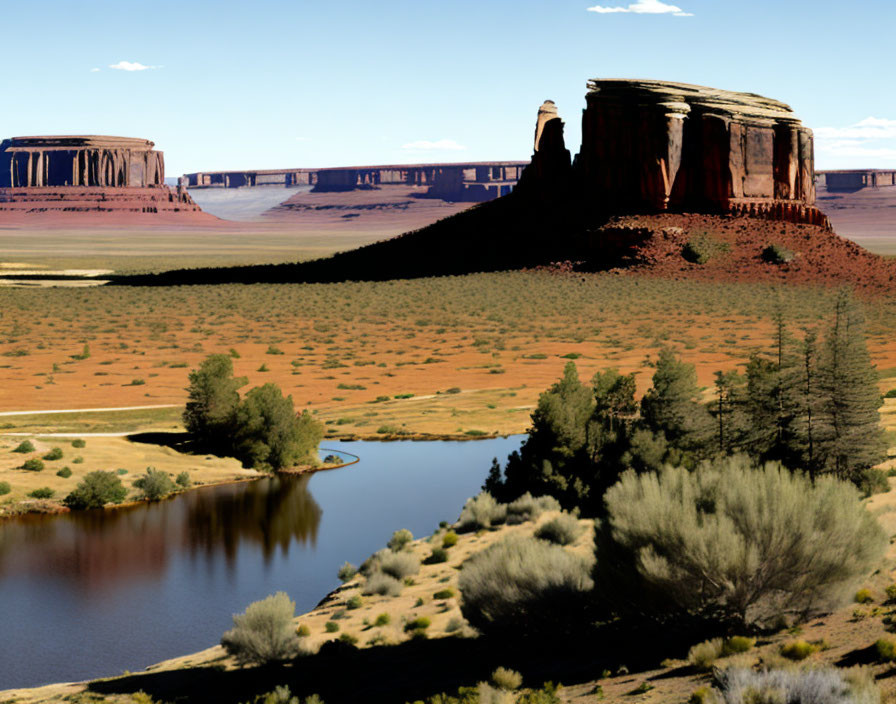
[728, 410]
[672, 408]
[850, 440]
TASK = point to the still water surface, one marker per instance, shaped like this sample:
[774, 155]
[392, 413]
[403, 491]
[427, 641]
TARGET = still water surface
[92, 594]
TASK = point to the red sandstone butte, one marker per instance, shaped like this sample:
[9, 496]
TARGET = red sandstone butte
[89, 179]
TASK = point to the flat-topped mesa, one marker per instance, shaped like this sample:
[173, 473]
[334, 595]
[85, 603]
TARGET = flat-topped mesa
[86, 173]
[653, 146]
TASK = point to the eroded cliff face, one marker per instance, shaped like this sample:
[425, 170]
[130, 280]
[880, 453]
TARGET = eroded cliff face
[653, 146]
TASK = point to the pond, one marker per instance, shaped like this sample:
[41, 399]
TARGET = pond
[95, 593]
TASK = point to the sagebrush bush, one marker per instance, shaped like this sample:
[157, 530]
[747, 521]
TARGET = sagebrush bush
[382, 584]
[372, 563]
[449, 540]
[24, 447]
[886, 650]
[44, 492]
[704, 655]
[65, 473]
[346, 572]
[264, 633]
[33, 465]
[421, 623]
[443, 594]
[383, 619]
[481, 512]
[793, 686]
[354, 602]
[562, 530]
[331, 627]
[729, 542]
[798, 649]
[400, 539]
[399, 565]
[437, 556]
[863, 596]
[5, 488]
[54, 454]
[529, 508]
[79, 443]
[183, 480]
[504, 678]
[525, 586]
[283, 695]
[154, 484]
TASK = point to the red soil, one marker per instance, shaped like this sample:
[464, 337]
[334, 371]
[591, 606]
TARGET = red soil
[820, 256]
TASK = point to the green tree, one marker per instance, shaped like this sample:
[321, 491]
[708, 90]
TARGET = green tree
[849, 437]
[96, 490]
[269, 434]
[673, 409]
[727, 409]
[213, 400]
[154, 485]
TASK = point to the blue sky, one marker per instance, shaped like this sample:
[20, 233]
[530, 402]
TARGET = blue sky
[271, 83]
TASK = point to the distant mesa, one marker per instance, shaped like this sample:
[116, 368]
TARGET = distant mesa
[115, 176]
[473, 182]
[850, 180]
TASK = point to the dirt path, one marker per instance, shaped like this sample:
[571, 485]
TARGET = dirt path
[88, 410]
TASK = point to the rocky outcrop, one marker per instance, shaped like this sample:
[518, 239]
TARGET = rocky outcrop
[86, 173]
[654, 146]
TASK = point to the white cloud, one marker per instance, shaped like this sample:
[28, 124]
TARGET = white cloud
[131, 66]
[423, 145]
[644, 7]
[869, 143]
[94, 70]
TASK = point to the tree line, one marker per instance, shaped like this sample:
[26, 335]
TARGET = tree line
[810, 403]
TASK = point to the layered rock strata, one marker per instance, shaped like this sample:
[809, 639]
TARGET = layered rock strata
[654, 146]
[86, 173]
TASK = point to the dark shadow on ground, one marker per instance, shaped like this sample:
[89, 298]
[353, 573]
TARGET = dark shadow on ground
[177, 441]
[406, 672]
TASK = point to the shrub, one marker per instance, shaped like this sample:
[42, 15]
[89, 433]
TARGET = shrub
[65, 473]
[264, 633]
[78, 460]
[95, 490]
[383, 585]
[79, 443]
[873, 481]
[283, 695]
[331, 626]
[703, 695]
[346, 572]
[372, 564]
[481, 511]
[562, 530]
[454, 624]
[33, 465]
[183, 480]
[44, 492]
[24, 447]
[303, 631]
[348, 638]
[506, 679]
[443, 594]
[437, 556]
[449, 540]
[400, 540]
[807, 686]
[704, 655]
[891, 593]
[776, 254]
[5, 488]
[886, 650]
[524, 586]
[154, 485]
[738, 644]
[354, 602]
[798, 649]
[399, 565]
[863, 596]
[701, 248]
[382, 620]
[421, 623]
[666, 532]
[529, 508]
[54, 454]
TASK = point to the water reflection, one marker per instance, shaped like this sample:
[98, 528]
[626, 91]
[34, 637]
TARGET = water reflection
[272, 512]
[98, 549]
